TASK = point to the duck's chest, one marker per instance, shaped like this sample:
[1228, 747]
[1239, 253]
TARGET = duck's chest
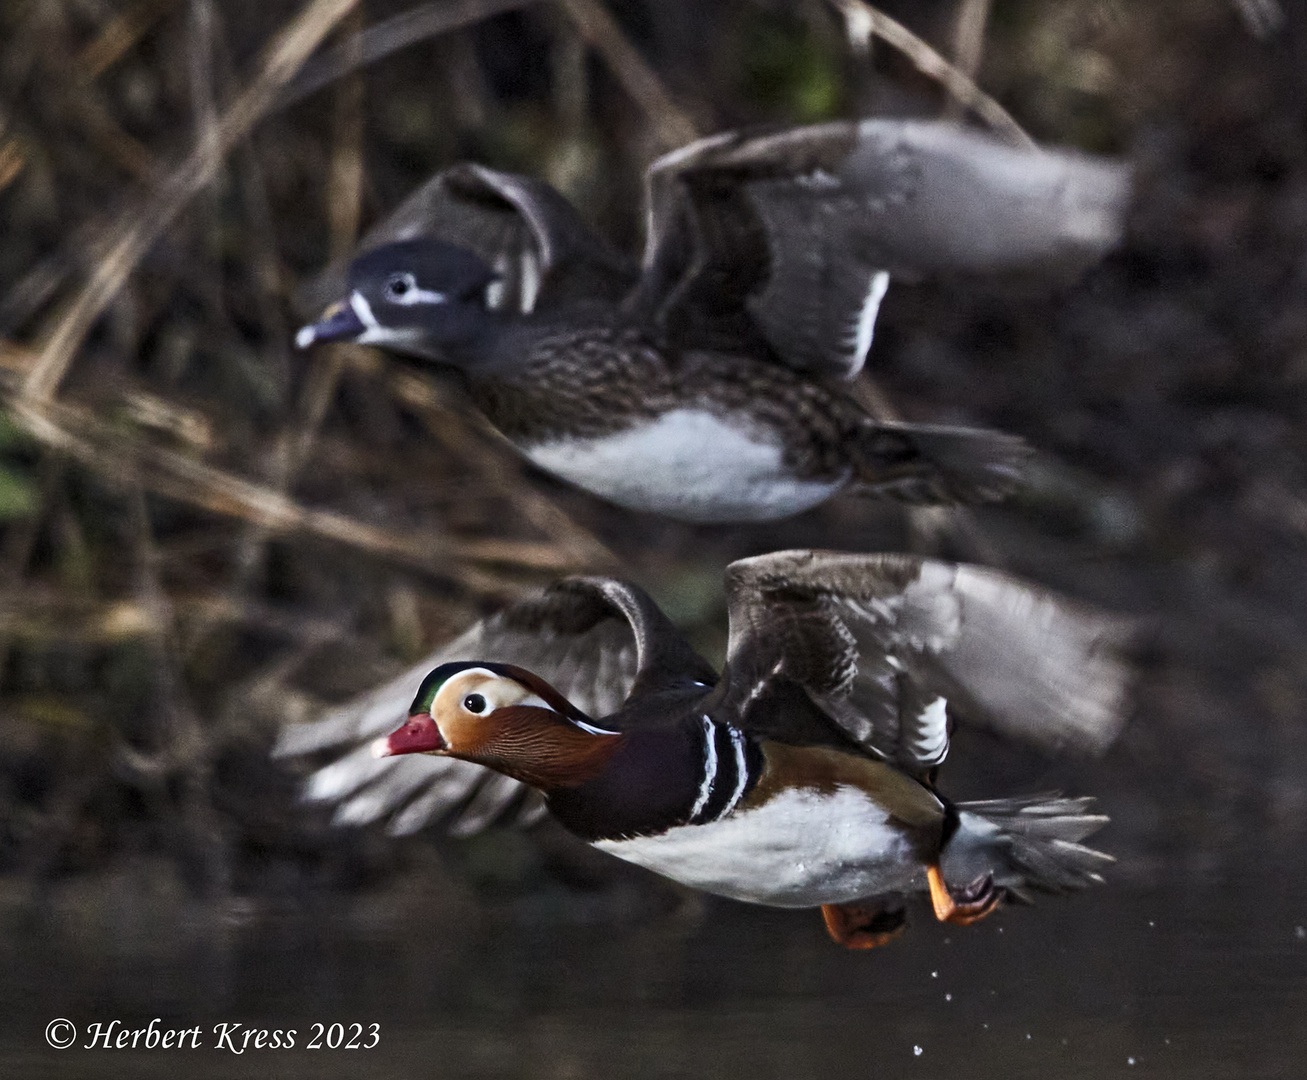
[703, 437]
[799, 848]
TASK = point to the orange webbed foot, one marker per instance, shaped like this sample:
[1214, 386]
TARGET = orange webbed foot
[860, 926]
[966, 906]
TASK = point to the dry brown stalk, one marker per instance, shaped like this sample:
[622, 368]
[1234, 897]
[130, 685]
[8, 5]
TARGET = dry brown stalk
[864, 22]
[12, 160]
[344, 197]
[969, 35]
[137, 230]
[968, 44]
[35, 612]
[601, 32]
[489, 454]
[379, 41]
[118, 35]
[82, 436]
[88, 108]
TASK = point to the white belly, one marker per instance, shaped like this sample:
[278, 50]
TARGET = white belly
[687, 464]
[799, 849]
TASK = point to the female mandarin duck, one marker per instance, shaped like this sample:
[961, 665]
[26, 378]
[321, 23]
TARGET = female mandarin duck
[705, 386]
[802, 777]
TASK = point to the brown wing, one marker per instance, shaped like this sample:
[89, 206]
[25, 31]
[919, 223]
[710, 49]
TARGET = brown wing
[881, 644]
[544, 252]
[589, 638]
[796, 231]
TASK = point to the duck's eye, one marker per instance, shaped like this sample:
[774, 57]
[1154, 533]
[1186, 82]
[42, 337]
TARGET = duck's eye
[399, 286]
[474, 703]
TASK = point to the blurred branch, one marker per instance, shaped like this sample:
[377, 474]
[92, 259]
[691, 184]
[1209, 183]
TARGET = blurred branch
[106, 450]
[345, 183]
[863, 22]
[344, 198]
[137, 231]
[12, 160]
[638, 79]
[1264, 18]
[118, 35]
[968, 44]
[497, 462]
[419, 23]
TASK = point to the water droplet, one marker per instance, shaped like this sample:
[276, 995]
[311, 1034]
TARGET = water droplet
[948, 997]
[934, 974]
[1129, 1061]
[1151, 923]
[916, 1051]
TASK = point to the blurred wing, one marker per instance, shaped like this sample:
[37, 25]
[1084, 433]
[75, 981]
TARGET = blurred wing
[884, 644]
[573, 637]
[800, 230]
[543, 251]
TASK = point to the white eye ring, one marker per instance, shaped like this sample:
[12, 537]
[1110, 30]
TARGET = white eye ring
[403, 289]
[474, 703]
[399, 286]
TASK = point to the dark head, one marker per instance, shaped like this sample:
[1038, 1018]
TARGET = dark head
[413, 296]
[504, 718]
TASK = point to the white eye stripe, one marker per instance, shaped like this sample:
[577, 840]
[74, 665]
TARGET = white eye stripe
[418, 296]
[411, 294]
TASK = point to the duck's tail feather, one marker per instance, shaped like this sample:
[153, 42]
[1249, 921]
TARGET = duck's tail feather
[1027, 843]
[929, 463]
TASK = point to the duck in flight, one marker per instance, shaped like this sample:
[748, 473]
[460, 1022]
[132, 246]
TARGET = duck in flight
[802, 776]
[706, 383]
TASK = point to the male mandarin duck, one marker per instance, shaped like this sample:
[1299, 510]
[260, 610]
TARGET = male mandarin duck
[706, 384]
[803, 776]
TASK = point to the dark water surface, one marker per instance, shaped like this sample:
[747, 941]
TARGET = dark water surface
[1201, 975]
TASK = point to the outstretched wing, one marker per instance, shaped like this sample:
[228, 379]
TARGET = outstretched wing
[543, 251]
[882, 644]
[586, 637]
[798, 231]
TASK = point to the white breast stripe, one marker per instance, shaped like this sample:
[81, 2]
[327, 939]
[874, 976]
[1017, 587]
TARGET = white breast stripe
[741, 771]
[530, 280]
[867, 319]
[709, 769]
[495, 290]
[591, 728]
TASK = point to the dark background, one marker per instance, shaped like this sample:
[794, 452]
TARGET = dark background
[159, 622]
